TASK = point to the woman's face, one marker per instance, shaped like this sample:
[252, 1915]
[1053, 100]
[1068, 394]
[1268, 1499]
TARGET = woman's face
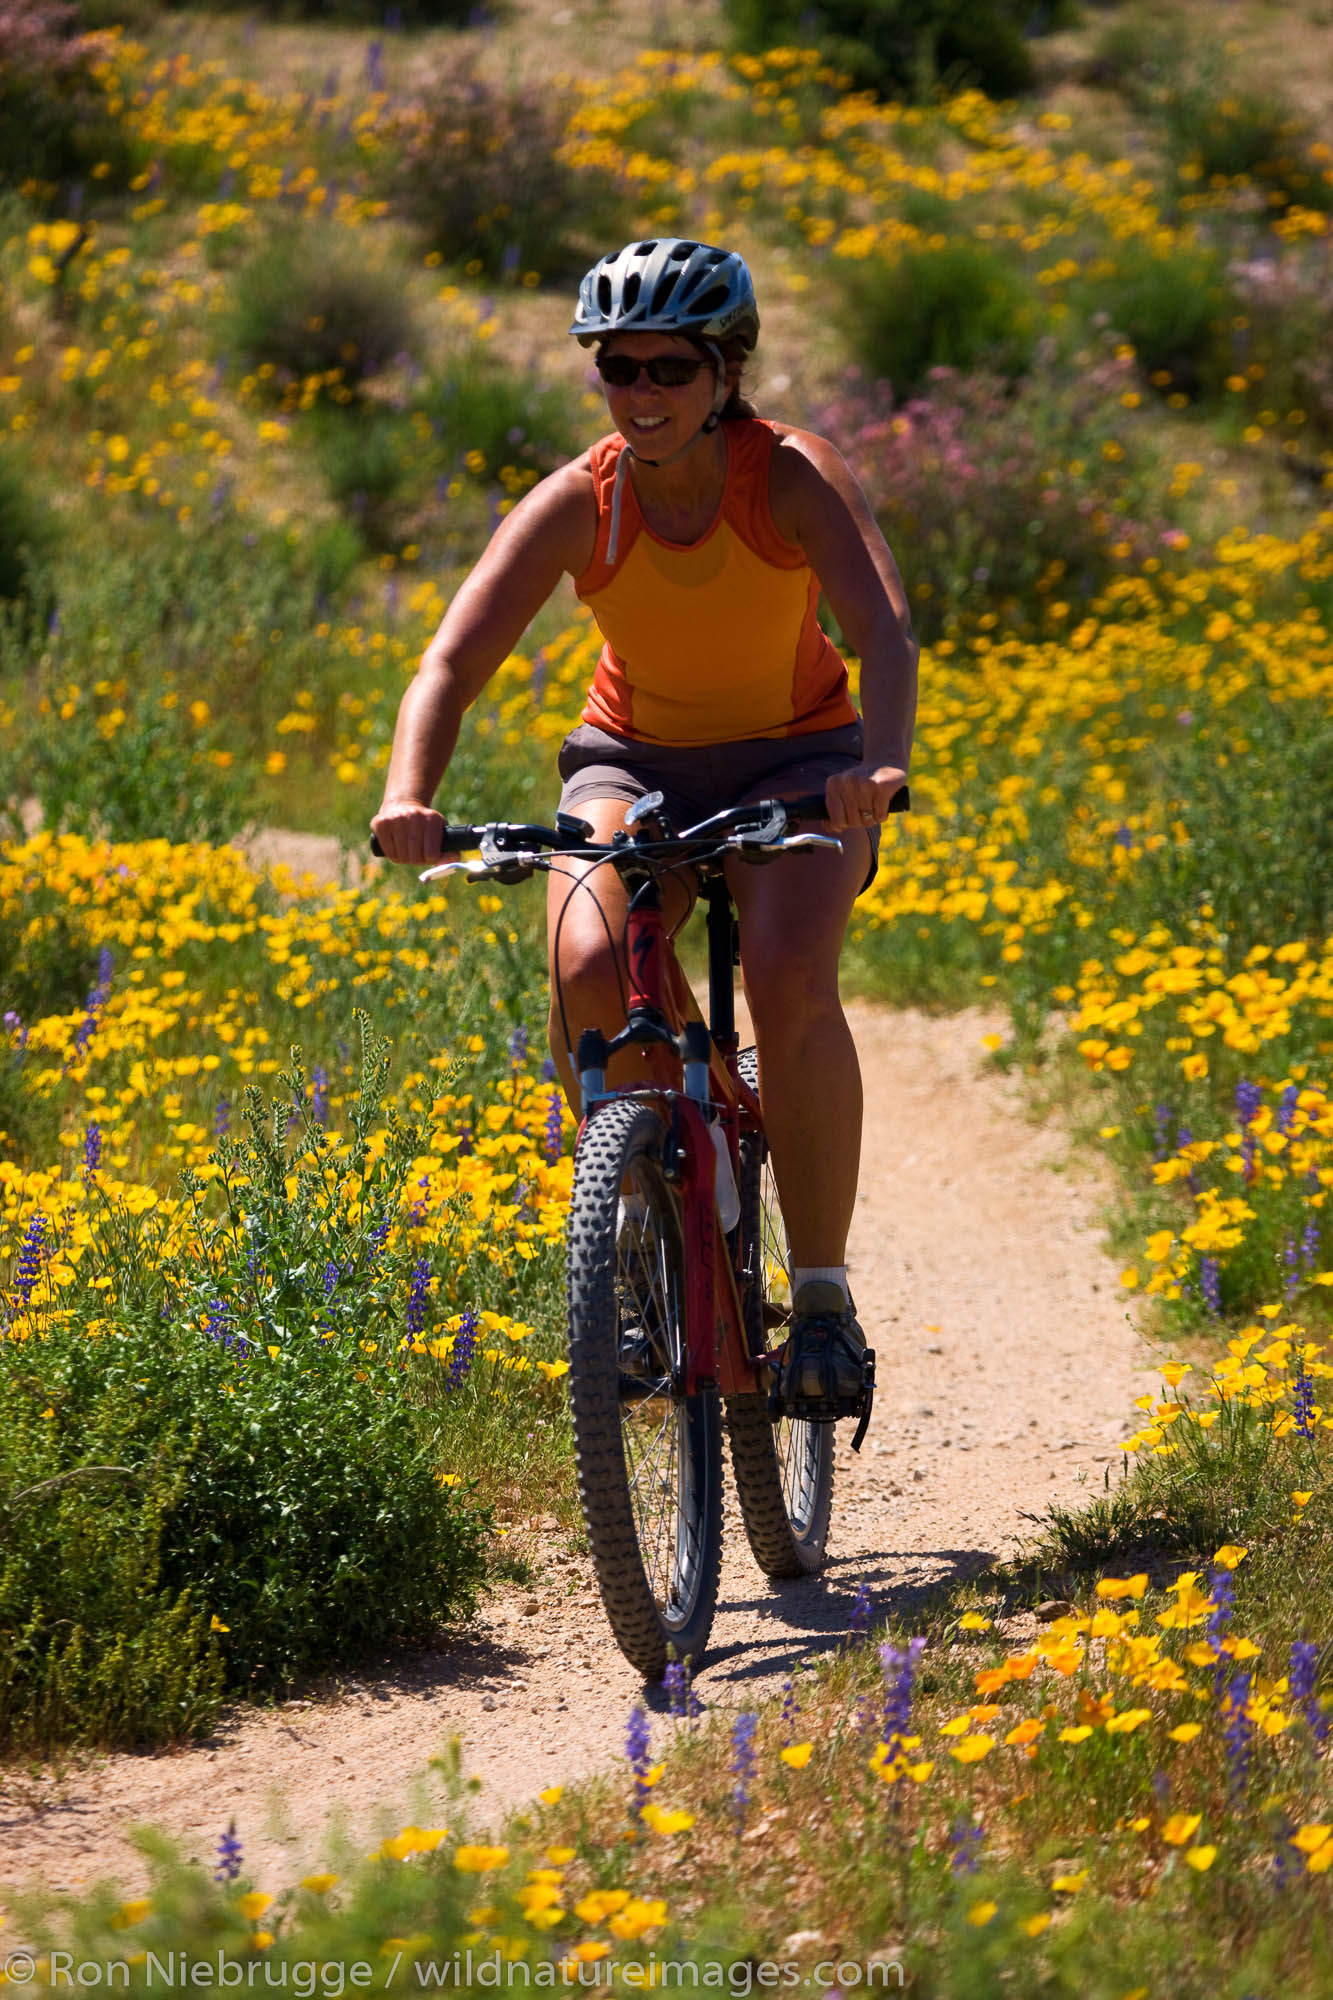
[656, 420]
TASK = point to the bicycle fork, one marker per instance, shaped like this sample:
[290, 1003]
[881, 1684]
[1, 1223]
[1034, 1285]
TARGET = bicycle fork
[717, 1354]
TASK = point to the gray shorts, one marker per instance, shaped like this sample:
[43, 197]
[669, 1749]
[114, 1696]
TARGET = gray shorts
[698, 780]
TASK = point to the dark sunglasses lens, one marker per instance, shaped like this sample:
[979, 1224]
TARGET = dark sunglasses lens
[671, 373]
[668, 371]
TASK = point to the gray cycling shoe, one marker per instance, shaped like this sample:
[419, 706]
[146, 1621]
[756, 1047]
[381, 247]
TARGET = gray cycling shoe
[823, 1371]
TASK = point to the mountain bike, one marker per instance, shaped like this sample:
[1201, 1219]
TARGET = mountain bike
[678, 1266]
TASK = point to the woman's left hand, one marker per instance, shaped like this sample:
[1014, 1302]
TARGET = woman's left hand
[861, 797]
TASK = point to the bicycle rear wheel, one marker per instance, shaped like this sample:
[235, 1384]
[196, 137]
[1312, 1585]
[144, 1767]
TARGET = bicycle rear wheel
[784, 1471]
[649, 1457]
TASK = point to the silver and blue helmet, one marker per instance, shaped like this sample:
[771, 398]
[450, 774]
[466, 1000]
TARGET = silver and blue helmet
[668, 285]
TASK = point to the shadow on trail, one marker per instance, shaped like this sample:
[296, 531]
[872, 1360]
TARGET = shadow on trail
[812, 1618]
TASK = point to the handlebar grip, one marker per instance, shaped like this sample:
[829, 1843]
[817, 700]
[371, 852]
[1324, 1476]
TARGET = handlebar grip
[453, 840]
[812, 805]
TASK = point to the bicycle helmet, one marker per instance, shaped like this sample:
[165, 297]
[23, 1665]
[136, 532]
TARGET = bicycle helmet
[667, 285]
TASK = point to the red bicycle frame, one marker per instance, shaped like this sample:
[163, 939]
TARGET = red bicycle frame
[662, 1010]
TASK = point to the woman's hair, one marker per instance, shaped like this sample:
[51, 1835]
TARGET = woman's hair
[736, 353]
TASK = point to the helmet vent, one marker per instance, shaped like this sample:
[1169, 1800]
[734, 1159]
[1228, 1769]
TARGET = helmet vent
[713, 299]
[604, 294]
[629, 298]
[661, 297]
[681, 252]
[645, 249]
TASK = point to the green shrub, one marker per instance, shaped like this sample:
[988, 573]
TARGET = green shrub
[960, 306]
[902, 49]
[475, 404]
[27, 527]
[231, 1479]
[138, 683]
[367, 458]
[1216, 133]
[1248, 791]
[314, 302]
[1173, 308]
[482, 174]
[55, 124]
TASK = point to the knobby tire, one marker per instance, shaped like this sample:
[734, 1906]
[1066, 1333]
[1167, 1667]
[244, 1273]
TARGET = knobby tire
[649, 1465]
[783, 1471]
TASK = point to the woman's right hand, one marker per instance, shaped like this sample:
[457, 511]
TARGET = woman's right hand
[409, 832]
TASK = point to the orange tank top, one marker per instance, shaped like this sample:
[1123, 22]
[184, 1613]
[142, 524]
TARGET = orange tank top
[710, 641]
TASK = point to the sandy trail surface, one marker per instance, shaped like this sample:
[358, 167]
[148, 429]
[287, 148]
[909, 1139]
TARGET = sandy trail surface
[1007, 1365]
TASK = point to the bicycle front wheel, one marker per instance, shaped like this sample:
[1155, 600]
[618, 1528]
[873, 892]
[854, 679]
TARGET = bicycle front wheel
[784, 1471]
[649, 1457]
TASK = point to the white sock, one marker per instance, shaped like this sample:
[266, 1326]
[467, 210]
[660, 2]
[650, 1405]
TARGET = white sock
[831, 1274]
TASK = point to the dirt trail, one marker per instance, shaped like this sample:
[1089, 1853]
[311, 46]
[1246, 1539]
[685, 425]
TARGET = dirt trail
[1006, 1366]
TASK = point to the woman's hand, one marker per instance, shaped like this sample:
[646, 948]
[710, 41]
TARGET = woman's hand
[409, 831]
[861, 797]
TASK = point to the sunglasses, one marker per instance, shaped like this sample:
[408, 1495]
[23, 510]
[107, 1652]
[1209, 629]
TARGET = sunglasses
[664, 371]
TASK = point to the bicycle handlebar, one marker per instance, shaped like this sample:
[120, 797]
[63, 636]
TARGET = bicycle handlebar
[515, 837]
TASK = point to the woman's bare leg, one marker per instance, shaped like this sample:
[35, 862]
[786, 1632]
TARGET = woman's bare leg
[793, 916]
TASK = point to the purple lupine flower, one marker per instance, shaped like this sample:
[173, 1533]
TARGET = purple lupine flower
[1238, 1734]
[31, 1251]
[1285, 1864]
[98, 995]
[1286, 1108]
[859, 1622]
[379, 1235]
[791, 1708]
[548, 1070]
[92, 1148]
[1291, 1258]
[13, 1023]
[1303, 1397]
[319, 1094]
[673, 1680]
[215, 1321]
[1210, 1284]
[417, 1296]
[684, 1702]
[375, 66]
[1304, 1692]
[222, 1118]
[1222, 1590]
[742, 1762]
[331, 1277]
[518, 1046]
[1249, 1097]
[1309, 1246]
[965, 1837]
[416, 1214]
[465, 1146]
[638, 1740]
[465, 1342]
[229, 1855]
[1122, 836]
[1161, 1790]
[1161, 1119]
[899, 1673]
[553, 1135]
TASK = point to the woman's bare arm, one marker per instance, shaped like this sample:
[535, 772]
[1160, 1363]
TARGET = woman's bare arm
[550, 532]
[818, 504]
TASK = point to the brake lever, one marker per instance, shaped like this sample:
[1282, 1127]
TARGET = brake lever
[476, 871]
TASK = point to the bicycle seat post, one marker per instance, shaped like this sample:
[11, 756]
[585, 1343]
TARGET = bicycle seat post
[723, 940]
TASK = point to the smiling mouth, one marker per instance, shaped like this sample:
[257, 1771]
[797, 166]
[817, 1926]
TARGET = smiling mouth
[648, 423]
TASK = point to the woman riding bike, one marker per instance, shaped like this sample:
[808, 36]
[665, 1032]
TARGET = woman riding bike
[700, 536]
